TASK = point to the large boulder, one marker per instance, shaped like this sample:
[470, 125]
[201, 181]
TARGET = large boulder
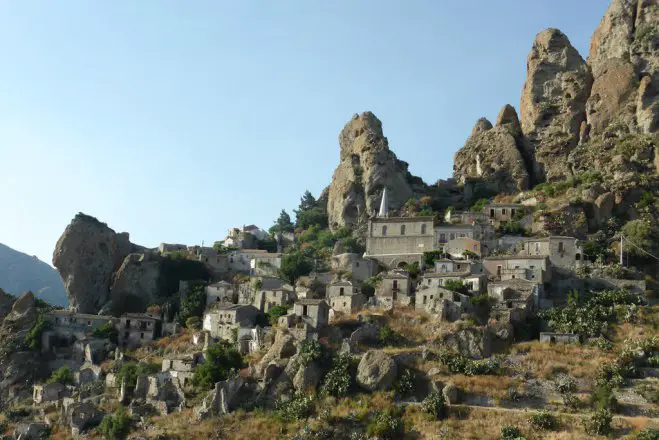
[376, 371]
[86, 256]
[283, 347]
[494, 155]
[471, 342]
[307, 377]
[553, 103]
[366, 167]
[224, 398]
[23, 312]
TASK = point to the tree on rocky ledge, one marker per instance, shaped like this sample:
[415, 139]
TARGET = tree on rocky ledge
[294, 265]
[282, 224]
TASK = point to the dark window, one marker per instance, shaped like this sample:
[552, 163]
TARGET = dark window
[357, 264]
[304, 310]
[442, 238]
[402, 229]
[577, 257]
[384, 231]
[141, 335]
[424, 299]
[395, 284]
[503, 211]
[423, 229]
[560, 247]
[128, 323]
[126, 334]
[341, 291]
[491, 213]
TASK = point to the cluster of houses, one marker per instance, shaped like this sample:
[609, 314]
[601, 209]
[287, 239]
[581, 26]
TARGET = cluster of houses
[470, 262]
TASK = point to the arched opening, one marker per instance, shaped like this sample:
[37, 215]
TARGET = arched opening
[402, 265]
[577, 257]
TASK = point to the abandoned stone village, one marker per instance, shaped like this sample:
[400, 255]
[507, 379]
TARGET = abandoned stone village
[515, 300]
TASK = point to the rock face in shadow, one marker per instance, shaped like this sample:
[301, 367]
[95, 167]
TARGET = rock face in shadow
[553, 104]
[86, 256]
[367, 166]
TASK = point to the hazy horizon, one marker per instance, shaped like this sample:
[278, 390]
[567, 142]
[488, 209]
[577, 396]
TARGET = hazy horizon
[175, 122]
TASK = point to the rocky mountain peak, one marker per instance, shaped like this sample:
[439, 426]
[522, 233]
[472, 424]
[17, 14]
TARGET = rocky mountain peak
[481, 126]
[367, 166]
[86, 256]
[553, 103]
[508, 117]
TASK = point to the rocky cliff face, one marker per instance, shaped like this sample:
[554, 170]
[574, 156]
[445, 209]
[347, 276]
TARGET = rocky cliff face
[494, 155]
[86, 256]
[103, 270]
[624, 60]
[553, 103]
[367, 166]
[568, 103]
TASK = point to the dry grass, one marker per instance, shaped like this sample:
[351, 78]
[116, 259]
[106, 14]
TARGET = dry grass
[648, 325]
[493, 386]
[577, 360]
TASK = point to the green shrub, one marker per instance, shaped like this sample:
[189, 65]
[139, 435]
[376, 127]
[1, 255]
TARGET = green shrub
[405, 385]
[603, 398]
[598, 423]
[648, 434]
[276, 312]
[193, 304]
[435, 405]
[193, 322]
[116, 426]
[456, 286]
[387, 336]
[511, 433]
[63, 376]
[544, 420]
[649, 393]
[299, 407]
[310, 351]
[222, 360]
[338, 380]
[32, 339]
[107, 331]
[132, 370]
[386, 425]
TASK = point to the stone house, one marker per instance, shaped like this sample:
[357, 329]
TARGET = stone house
[457, 247]
[394, 241]
[341, 288]
[66, 327]
[559, 338]
[394, 284]
[498, 213]
[359, 268]
[221, 321]
[250, 340]
[267, 264]
[137, 328]
[446, 265]
[314, 312]
[182, 368]
[535, 268]
[348, 303]
[446, 304]
[217, 264]
[166, 248]
[434, 279]
[264, 300]
[445, 233]
[563, 252]
[51, 392]
[515, 299]
[221, 292]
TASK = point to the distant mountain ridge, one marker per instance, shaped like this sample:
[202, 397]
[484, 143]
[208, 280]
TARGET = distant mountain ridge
[20, 272]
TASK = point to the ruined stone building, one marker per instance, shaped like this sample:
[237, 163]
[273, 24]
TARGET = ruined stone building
[137, 328]
[223, 320]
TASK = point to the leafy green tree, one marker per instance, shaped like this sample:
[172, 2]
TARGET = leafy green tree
[193, 322]
[310, 351]
[63, 376]
[221, 360]
[294, 265]
[282, 224]
[311, 212]
[193, 304]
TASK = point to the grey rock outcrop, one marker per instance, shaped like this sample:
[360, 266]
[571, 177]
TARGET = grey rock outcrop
[307, 377]
[624, 59]
[366, 167]
[553, 103]
[138, 278]
[493, 154]
[474, 343]
[223, 399]
[283, 347]
[32, 431]
[86, 256]
[80, 416]
[377, 371]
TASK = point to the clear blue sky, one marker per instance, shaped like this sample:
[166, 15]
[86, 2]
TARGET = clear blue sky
[175, 120]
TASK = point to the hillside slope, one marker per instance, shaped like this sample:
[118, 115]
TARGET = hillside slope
[20, 272]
